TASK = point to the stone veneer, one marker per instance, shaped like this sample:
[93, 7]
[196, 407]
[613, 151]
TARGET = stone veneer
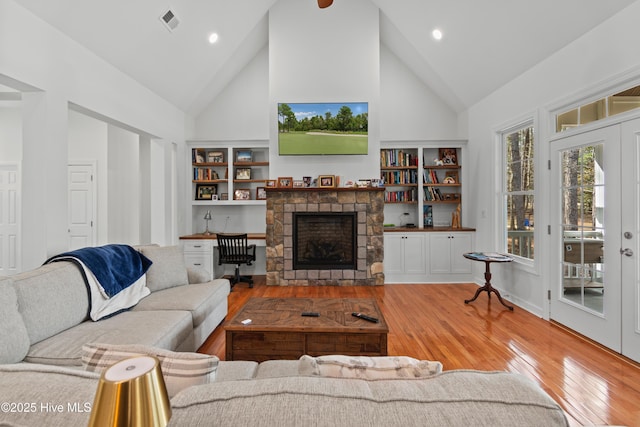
[367, 202]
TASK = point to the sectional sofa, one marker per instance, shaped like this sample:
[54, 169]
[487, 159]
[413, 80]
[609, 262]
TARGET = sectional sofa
[45, 379]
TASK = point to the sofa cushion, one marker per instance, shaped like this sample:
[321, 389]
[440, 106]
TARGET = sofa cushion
[51, 298]
[180, 370]
[168, 269]
[164, 329]
[39, 390]
[15, 338]
[365, 367]
[452, 398]
[199, 299]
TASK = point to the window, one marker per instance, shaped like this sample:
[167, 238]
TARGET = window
[617, 103]
[518, 191]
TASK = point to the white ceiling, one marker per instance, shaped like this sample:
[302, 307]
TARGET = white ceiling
[486, 43]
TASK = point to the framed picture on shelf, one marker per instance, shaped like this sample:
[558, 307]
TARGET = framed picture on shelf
[298, 183]
[285, 181]
[261, 193]
[215, 157]
[271, 183]
[244, 156]
[197, 155]
[205, 192]
[224, 196]
[326, 181]
[451, 177]
[243, 173]
[242, 194]
[449, 156]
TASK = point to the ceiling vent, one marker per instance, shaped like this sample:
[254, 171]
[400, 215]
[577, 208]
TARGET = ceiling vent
[170, 20]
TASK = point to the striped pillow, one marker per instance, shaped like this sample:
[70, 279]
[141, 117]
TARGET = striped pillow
[180, 370]
[368, 368]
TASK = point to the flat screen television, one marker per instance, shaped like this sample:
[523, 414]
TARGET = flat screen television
[323, 128]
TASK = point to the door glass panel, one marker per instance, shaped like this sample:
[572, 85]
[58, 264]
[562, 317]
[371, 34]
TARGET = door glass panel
[583, 226]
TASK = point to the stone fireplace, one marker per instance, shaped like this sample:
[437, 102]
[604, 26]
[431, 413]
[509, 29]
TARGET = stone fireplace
[320, 236]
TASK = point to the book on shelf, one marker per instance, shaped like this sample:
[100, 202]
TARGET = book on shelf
[397, 158]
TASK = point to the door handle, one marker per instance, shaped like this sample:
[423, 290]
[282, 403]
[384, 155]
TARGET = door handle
[626, 251]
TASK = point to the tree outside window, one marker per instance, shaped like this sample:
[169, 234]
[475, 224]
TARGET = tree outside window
[518, 191]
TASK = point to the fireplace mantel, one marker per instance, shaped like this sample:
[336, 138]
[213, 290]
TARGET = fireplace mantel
[367, 202]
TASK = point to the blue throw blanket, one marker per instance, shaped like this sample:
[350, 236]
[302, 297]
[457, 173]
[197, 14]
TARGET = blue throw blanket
[115, 267]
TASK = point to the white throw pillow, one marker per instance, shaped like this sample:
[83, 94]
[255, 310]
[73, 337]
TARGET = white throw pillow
[368, 368]
[179, 369]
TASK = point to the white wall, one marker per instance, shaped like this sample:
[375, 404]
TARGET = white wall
[10, 132]
[599, 55]
[124, 186]
[331, 56]
[241, 110]
[409, 110]
[36, 54]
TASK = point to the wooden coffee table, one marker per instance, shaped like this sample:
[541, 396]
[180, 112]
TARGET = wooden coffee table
[279, 331]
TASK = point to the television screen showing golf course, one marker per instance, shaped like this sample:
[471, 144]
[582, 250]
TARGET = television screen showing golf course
[323, 128]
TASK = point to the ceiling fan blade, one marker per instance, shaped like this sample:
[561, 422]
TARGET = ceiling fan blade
[324, 3]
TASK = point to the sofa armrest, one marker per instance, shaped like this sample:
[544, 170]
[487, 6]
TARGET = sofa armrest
[198, 275]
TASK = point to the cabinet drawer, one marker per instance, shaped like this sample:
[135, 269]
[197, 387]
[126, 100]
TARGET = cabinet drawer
[198, 260]
[198, 246]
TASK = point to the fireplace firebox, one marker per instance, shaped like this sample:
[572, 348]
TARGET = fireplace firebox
[324, 240]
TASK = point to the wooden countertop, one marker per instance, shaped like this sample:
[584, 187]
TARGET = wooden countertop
[250, 236]
[262, 236]
[426, 229]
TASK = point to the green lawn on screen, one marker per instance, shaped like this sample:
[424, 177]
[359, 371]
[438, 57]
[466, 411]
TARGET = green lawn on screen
[318, 143]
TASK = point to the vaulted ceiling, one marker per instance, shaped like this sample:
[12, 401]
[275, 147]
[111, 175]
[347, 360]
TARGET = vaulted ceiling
[485, 44]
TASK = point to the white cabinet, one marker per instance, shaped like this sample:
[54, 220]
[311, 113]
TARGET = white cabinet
[405, 257]
[447, 249]
[199, 253]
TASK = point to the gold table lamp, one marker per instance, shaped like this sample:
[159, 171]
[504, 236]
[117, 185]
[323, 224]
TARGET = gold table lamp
[132, 393]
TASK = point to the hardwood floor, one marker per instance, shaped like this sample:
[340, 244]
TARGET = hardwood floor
[593, 385]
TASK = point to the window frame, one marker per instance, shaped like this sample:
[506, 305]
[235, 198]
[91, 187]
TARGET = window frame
[530, 264]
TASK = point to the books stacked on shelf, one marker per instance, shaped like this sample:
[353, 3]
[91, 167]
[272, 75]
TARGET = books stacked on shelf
[406, 176]
[433, 194]
[397, 158]
[430, 176]
[205, 174]
[408, 196]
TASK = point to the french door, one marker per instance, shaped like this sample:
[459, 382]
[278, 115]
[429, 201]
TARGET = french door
[630, 247]
[595, 236]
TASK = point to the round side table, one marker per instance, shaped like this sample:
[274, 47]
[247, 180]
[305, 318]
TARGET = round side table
[488, 258]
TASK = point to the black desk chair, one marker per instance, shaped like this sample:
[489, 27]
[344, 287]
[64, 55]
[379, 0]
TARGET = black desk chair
[233, 249]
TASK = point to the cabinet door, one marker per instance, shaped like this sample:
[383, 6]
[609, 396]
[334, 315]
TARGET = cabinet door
[440, 253]
[414, 254]
[460, 244]
[393, 253]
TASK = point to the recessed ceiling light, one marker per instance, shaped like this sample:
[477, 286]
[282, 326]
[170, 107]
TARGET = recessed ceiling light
[437, 34]
[213, 37]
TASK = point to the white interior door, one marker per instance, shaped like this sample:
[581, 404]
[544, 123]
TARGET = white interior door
[10, 259]
[630, 248]
[81, 206]
[586, 291]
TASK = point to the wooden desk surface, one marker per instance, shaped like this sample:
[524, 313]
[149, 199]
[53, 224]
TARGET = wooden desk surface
[250, 236]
